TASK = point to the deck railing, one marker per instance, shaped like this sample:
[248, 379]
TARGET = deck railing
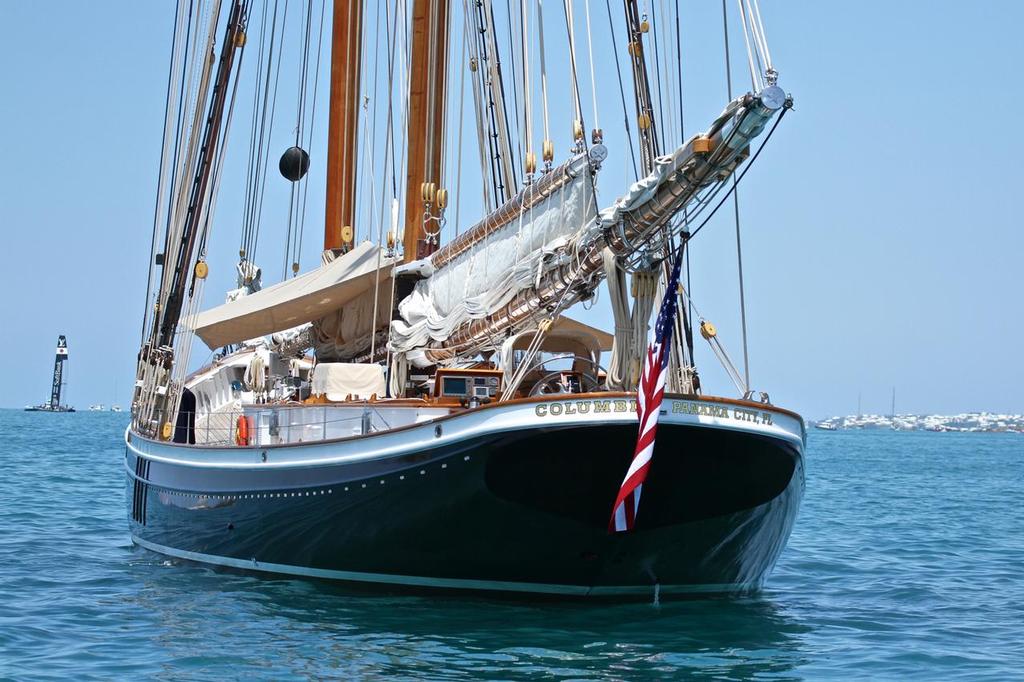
[269, 425]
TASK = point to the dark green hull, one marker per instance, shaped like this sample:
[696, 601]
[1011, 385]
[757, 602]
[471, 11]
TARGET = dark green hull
[524, 512]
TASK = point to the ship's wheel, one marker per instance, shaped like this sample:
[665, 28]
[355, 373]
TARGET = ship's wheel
[581, 378]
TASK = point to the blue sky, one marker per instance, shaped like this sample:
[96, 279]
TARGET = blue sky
[882, 246]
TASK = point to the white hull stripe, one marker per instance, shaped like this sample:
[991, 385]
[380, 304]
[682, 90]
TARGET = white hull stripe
[455, 430]
[419, 581]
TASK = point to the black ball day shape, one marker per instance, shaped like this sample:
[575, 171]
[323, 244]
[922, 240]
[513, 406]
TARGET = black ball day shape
[294, 163]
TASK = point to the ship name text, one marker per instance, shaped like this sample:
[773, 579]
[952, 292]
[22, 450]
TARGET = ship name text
[702, 409]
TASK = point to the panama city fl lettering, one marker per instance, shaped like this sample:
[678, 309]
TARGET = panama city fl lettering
[678, 407]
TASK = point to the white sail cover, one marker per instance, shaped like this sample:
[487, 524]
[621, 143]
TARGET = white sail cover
[485, 277]
[309, 297]
[340, 380]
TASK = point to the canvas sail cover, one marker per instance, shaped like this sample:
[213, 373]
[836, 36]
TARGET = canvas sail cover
[484, 278]
[303, 299]
[341, 380]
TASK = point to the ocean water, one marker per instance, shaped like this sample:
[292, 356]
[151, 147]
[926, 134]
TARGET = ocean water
[906, 562]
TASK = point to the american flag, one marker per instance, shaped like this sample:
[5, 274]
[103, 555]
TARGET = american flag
[648, 402]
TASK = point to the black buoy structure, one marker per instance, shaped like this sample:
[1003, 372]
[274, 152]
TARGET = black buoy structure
[58, 381]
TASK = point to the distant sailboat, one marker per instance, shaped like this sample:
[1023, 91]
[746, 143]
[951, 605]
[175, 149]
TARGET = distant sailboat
[58, 382]
[898, 424]
[892, 412]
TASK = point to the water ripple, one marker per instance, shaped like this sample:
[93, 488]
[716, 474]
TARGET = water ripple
[905, 563]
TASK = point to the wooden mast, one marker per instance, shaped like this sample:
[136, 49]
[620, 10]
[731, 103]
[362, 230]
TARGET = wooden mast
[427, 81]
[342, 145]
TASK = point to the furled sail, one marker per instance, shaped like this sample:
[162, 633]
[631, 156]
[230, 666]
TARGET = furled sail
[313, 296]
[705, 162]
[498, 258]
[344, 333]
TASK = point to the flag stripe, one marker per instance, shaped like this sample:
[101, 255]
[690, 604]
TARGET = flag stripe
[650, 394]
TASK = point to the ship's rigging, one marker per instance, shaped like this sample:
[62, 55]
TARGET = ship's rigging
[416, 407]
[540, 215]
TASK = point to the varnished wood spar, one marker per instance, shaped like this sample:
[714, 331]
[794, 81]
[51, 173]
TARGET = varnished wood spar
[427, 82]
[342, 146]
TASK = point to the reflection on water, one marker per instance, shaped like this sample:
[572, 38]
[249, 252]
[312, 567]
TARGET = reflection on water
[444, 637]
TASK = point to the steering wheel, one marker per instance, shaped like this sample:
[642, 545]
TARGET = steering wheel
[551, 384]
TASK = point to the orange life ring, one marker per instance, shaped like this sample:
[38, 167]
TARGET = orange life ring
[242, 431]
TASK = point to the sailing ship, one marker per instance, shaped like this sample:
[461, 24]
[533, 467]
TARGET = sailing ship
[56, 388]
[418, 410]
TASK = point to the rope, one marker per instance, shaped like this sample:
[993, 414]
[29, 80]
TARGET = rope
[380, 240]
[312, 126]
[303, 73]
[186, 329]
[462, 108]
[218, 161]
[590, 52]
[665, 50]
[527, 90]
[195, 98]
[571, 34]
[622, 92]
[258, 166]
[373, 102]
[478, 109]
[243, 244]
[502, 116]
[647, 130]
[504, 170]
[389, 149]
[162, 178]
[543, 78]
[256, 143]
[759, 35]
[736, 213]
[369, 130]
[266, 157]
[186, 86]
[755, 73]
[679, 72]
[718, 349]
[618, 364]
[516, 85]
[512, 384]
[292, 243]
[657, 74]
[153, 377]
[431, 88]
